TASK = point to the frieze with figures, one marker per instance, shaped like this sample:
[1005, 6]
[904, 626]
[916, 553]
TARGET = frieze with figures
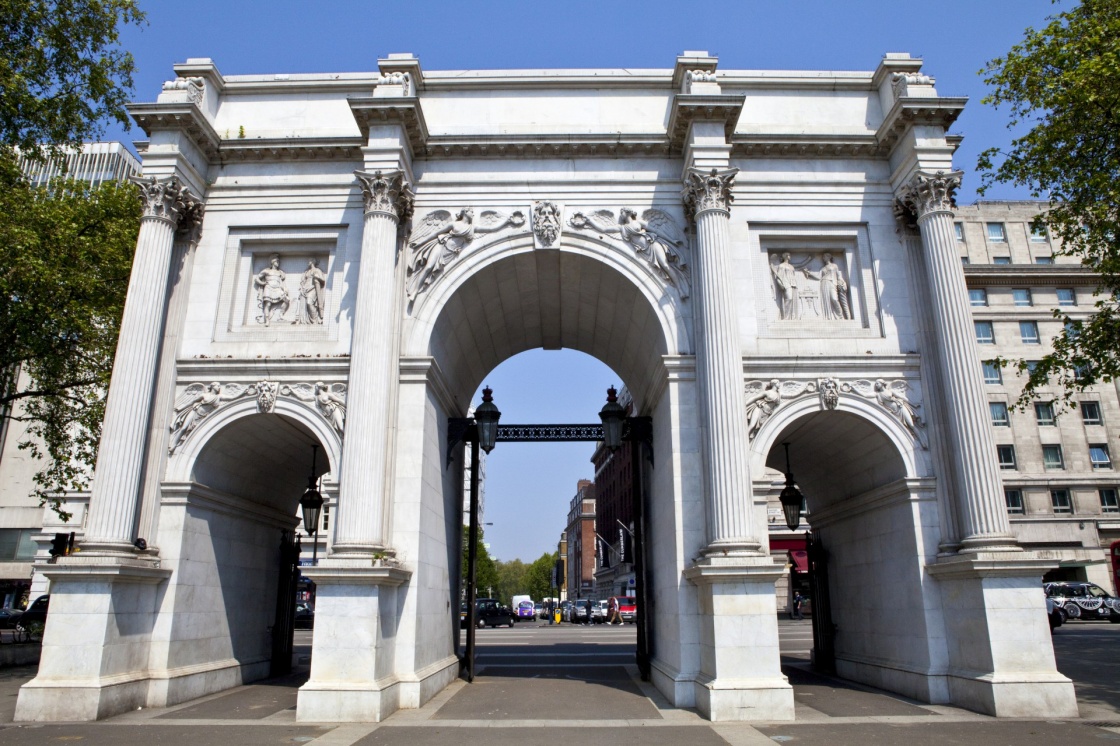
[763, 398]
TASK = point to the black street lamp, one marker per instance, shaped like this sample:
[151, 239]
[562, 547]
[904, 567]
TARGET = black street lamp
[613, 416]
[311, 504]
[486, 418]
[791, 497]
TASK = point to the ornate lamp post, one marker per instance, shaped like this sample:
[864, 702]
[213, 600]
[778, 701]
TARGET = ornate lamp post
[311, 504]
[613, 416]
[791, 497]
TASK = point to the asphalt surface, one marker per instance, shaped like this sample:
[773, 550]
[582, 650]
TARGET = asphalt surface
[578, 684]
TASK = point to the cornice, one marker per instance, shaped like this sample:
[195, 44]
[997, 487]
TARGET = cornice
[291, 149]
[182, 117]
[690, 107]
[258, 369]
[910, 111]
[813, 366]
[807, 146]
[369, 111]
[1028, 274]
[546, 146]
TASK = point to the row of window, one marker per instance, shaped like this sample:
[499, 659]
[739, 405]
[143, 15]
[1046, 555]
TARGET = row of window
[997, 233]
[1044, 413]
[1022, 297]
[1060, 501]
[1028, 333]
[994, 375]
[1052, 457]
[1007, 260]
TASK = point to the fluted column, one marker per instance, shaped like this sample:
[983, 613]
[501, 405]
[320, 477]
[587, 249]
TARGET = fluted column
[360, 530]
[978, 487]
[168, 207]
[719, 365]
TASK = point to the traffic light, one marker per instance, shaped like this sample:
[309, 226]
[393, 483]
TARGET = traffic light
[60, 545]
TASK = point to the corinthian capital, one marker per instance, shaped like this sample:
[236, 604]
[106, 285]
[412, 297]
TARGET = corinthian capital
[167, 199]
[708, 190]
[386, 192]
[928, 193]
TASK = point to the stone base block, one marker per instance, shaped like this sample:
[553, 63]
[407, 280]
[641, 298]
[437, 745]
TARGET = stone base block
[678, 688]
[173, 687]
[47, 701]
[1005, 697]
[752, 700]
[427, 683]
[919, 685]
[320, 703]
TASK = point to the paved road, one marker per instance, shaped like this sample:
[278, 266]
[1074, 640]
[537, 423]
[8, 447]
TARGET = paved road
[580, 683]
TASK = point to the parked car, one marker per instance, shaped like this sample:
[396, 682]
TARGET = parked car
[9, 617]
[36, 613]
[579, 611]
[526, 610]
[305, 616]
[627, 608]
[538, 611]
[598, 611]
[1054, 613]
[1084, 601]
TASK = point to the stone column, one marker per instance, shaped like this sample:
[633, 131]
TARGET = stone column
[719, 366]
[978, 486]
[168, 207]
[360, 529]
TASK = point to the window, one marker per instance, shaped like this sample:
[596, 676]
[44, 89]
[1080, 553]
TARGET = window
[1066, 297]
[1052, 457]
[964, 261]
[984, 333]
[1044, 260]
[1108, 501]
[999, 414]
[326, 517]
[958, 229]
[996, 233]
[1031, 365]
[1038, 235]
[1001, 260]
[1014, 500]
[992, 373]
[1091, 412]
[1098, 456]
[1059, 500]
[1006, 456]
[16, 543]
[1073, 329]
[978, 296]
[1022, 296]
[1044, 414]
[1028, 332]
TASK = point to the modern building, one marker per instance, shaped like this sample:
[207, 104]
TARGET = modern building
[95, 162]
[581, 541]
[762, 257]
[1057, 462]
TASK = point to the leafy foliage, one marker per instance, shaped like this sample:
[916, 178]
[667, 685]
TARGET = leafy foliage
[486, 573]
[65, 256]
[538, 578]
[61, 69]
[1063, 82]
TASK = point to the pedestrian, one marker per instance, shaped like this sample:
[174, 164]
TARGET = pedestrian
[612, 611]
[798, 599]
[551, 609]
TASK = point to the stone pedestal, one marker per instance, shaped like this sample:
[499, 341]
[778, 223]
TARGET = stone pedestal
[1001, 656]
[740, 663]
[96, 646]
[352, 666]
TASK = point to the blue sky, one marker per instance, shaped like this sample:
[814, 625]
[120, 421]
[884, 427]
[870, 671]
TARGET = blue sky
[529, 486]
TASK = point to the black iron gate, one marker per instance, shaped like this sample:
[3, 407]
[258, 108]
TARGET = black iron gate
[824, 651]
[283, 627]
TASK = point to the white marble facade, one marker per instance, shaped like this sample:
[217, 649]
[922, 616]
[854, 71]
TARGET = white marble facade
[763, 257]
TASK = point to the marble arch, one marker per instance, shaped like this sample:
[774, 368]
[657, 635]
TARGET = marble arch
[338, 208]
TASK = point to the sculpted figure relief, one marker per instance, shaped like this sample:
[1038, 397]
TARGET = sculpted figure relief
[438, 240]
[272, 291]
[798, 298]
[328, 399]
[653, 236]
[311, 293]
[892, 397]
[197, 403]
[546, 222]
[763, 399]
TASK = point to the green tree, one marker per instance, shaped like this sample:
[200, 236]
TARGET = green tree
[486, 573]
[62, 70]
[511, 579]
[65, 251]
[65, 256]
[538, 577]
[1063, 82]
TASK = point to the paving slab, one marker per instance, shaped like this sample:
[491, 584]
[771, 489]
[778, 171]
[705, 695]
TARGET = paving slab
[156, 734]
[568, 694]
[841, 699]
[252, 702]
[935, 733]
[442, 736]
